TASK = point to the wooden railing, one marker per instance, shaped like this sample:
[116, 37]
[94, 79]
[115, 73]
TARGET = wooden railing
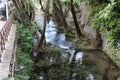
[4, 33]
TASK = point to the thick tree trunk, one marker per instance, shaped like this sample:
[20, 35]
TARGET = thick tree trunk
[75, 19]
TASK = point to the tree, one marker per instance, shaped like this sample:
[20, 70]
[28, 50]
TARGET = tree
[25, 11]
[46, 15]
[79, 33]
[58, 13]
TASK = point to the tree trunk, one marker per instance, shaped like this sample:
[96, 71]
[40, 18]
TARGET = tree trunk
[43, 31]
[75, 19]
[58, 13]
[24, 17]
[41, 6]
[62, 14]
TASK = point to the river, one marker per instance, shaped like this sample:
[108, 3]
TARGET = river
[64, 62]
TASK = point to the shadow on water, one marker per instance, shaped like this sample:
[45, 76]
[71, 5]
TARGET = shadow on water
[63, 62]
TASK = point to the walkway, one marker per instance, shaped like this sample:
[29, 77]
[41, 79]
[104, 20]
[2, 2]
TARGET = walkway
[7, 54]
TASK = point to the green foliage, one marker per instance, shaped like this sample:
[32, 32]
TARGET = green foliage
[108, 19]
[76, 3]
[29, 6]
[118, 78]
[25, 37]
[24, 49]
[55, 50]
[70, 34]
[23, 59]
[112, 54]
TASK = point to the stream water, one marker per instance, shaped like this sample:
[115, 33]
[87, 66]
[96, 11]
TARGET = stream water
[69, 64]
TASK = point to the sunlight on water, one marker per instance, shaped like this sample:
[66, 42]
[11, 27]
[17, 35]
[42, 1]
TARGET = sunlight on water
[90, 77]
[79, 57]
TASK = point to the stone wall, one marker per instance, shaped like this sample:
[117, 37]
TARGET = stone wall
[86, 21]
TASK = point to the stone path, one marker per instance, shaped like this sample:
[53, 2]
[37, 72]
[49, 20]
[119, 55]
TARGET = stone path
[7, 54]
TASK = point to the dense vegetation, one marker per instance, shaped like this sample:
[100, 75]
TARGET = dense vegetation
[24, 50]
[106, 19]
[26, 27]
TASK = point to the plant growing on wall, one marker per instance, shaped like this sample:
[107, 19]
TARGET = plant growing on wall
[108, 19]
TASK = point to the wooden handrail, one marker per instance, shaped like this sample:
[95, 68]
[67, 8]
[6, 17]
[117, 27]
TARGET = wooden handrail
[4, 33]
